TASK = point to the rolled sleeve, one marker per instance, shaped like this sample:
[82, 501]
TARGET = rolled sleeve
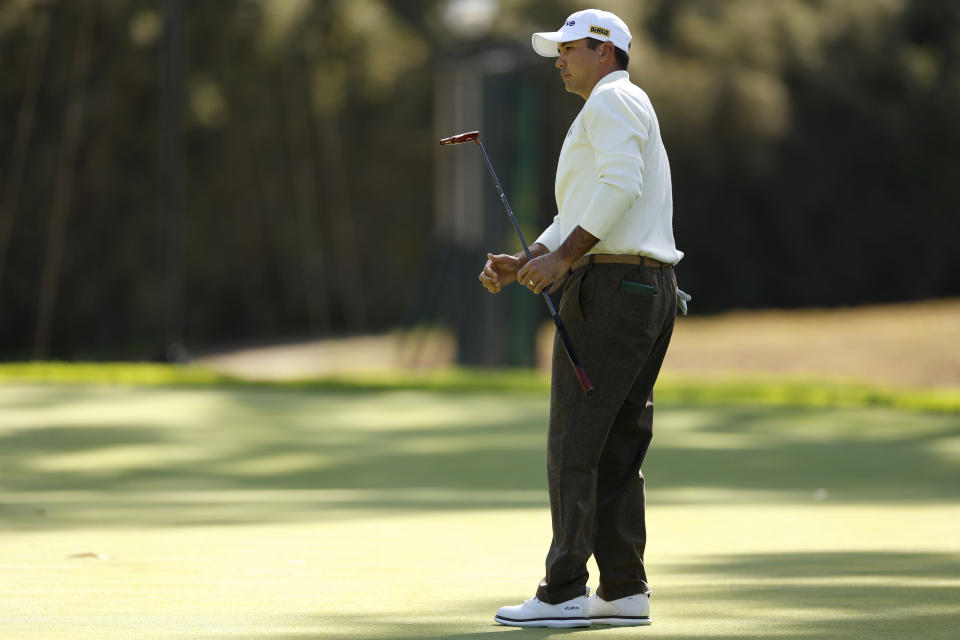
[617, 136]
[606, 208]
[551, 237]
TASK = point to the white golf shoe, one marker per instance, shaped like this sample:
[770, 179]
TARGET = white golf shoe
[536, 613]
[631, 611]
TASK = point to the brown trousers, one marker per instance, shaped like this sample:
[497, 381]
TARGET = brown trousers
[620, 319]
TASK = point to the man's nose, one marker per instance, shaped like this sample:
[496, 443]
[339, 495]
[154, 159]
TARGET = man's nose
[560, 63]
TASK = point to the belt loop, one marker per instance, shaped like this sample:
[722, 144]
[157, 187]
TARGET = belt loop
[590, 261]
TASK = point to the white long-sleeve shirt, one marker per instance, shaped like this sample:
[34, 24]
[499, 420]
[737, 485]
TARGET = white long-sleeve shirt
[613, 176]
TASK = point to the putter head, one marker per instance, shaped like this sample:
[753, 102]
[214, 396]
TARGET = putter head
[470, 136]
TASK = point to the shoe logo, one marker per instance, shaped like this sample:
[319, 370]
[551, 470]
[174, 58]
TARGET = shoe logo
[571, 608]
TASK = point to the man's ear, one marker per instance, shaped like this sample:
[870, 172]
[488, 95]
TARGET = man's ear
[609, 50]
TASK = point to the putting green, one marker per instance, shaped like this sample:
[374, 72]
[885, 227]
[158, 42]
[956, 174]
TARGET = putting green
[267, 513]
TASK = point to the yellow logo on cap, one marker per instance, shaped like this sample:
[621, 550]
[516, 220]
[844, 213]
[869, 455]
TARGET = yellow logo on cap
[599, 30]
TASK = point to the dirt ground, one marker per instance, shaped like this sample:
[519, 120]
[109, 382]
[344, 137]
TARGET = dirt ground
[916, 344]
[908, 344]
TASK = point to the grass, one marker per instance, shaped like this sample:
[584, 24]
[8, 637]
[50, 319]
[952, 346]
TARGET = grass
[678, 389]
[165, 510]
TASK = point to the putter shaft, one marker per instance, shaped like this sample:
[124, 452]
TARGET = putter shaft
[474, 136]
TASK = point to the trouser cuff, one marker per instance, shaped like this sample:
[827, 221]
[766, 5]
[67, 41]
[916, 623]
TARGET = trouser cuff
[556, 596]
[622, 591]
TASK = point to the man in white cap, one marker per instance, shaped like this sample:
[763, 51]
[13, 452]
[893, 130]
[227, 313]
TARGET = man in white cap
[611, 245]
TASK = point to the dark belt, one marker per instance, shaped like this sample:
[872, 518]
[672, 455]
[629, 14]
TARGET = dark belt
[615, 258]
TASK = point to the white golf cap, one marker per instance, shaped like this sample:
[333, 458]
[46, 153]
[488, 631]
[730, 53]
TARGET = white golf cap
[590, 23]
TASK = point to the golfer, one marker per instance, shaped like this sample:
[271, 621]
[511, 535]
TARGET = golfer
[611, 246]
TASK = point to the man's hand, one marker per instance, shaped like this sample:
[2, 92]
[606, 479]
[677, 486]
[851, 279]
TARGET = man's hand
[500, 270]
[548, 267]
[540, 273]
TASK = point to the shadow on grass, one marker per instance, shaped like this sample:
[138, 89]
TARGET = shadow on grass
[24, 445]
[802, 595]
[280, 440]
[833, 594]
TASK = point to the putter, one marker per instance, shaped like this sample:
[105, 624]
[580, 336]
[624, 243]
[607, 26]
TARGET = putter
[474, 136]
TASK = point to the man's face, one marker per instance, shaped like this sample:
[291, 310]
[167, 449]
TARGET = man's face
[579, 66]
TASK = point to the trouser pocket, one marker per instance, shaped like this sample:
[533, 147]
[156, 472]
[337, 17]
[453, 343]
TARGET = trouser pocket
[637, 288]
[570, 303]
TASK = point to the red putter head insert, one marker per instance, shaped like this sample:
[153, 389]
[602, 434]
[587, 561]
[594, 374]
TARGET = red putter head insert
[470, 136]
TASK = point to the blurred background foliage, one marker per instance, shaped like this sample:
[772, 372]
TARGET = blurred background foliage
[212, 173]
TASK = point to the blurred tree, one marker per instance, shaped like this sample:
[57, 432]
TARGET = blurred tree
[62, 199]
[37, 32]
[800, 137]
[172, 179]
[814, 145]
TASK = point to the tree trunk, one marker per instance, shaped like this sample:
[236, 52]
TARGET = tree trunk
[63, 187]
[21, 140]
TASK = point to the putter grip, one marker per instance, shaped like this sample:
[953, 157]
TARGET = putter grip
[584, 380]
[461, 137]
[578, 369]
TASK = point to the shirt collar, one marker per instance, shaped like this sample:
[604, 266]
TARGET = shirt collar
[613, 76]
